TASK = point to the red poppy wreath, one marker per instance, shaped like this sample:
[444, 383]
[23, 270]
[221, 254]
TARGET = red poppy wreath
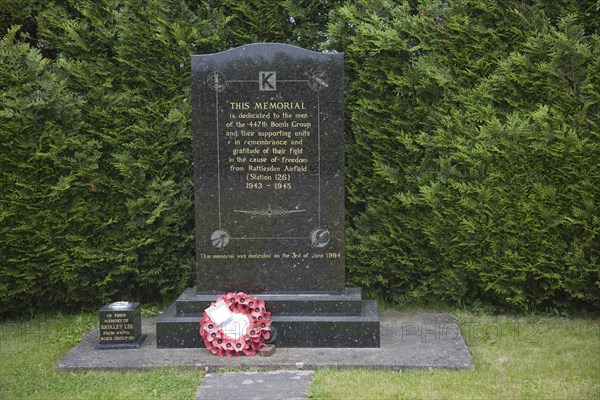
[235, 324]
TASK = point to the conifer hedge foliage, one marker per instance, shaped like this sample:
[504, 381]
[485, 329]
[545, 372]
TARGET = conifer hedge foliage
[96, 154]
[473, 145]
[474, 158]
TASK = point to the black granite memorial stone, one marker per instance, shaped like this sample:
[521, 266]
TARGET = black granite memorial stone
[120, 326]
[268, 125]
[268, 135]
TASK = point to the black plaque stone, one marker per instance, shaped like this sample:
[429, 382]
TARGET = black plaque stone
[120, 326]
[268, 125]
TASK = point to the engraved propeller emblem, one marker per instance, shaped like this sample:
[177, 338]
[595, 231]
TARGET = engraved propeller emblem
[220, 238]
[319, 237]
[269, 212]
[216, 81]
[317, 80]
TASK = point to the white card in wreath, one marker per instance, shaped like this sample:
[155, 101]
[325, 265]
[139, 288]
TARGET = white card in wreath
[219, 313]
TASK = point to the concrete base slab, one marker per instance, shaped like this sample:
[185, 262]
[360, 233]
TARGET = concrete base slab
[408, 341]
[273, 385]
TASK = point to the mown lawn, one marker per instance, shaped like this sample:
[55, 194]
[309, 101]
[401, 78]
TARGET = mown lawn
[29, 350]
[531, 357]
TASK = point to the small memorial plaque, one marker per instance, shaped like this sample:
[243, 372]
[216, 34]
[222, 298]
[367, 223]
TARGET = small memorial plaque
[268, 124]
[120, 326]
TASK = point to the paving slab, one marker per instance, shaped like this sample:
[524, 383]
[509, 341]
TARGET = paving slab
[272, 385]
[408, 341]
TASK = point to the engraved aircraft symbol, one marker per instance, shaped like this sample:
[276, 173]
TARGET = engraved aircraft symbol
[269, 212]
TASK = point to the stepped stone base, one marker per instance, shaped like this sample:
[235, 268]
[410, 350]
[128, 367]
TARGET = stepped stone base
[300, 320]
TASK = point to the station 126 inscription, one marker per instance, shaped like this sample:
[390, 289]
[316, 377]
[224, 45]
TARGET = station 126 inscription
[268, 125]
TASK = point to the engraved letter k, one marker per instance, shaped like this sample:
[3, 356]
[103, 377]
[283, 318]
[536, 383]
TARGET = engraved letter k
[267, 80]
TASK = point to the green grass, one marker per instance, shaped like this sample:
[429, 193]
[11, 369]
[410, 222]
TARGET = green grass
[29, 350]
[529, 357]
[515, 358]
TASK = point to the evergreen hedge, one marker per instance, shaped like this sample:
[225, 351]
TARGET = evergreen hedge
[473, 145]
[96, 162]
[474, 160]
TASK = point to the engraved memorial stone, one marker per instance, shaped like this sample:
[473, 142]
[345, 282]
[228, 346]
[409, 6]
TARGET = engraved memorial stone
[268, 125]
[120, 326]
[268, 137]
